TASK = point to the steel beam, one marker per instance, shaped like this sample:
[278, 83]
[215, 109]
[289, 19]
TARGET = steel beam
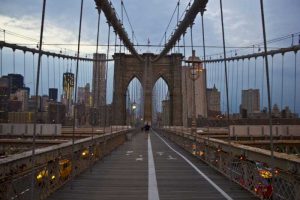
[47, 53]
[197, 6]
[295, 48]
[112, 18]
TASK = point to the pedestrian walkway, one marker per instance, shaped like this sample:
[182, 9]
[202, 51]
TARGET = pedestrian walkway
[140, 171]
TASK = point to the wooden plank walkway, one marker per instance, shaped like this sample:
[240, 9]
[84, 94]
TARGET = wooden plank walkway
[124, 175]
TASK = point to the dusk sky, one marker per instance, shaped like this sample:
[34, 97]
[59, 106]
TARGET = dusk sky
[149, 20]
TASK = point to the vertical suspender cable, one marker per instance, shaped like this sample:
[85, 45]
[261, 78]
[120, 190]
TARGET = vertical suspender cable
[53, 62]
[224, 52]
[183, 45]
[59, 78]
[97, 48]
[178, 4]
[232, 83]
[248, 77]
[262, 86]
[204, 58]
[14, 60]
[203, 41]
[272, 74]
[106, 69]
[33, 78]
[41, 75]
[115, 42]
[295, 87]
[48, 71]
[75, 95]
[243, 74]
[237, 86]
[282, 71]
[24, 63]
[255, 66]
[1, 62]
[36, 103]
[268, 81]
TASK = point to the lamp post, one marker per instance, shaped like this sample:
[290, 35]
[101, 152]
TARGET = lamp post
[194, 74]
[133, 112]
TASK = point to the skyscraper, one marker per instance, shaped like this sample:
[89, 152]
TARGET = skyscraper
[213, 101]
[53, 94]
[250, 100]
[99, 80]
[16, 82]
[187, 91]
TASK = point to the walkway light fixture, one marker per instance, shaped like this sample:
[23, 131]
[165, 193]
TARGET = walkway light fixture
[194, 73]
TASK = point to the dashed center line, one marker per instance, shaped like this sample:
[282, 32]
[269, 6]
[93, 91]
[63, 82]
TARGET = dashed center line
[152, 182]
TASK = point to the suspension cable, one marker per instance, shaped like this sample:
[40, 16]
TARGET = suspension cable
[36, 102]
[224, 52]
[75, 95]
[167, 28]
[268, 82]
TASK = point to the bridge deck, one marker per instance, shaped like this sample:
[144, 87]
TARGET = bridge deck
[128, 174]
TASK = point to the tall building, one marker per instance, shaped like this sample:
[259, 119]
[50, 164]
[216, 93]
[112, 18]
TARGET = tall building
[16, 82]
[187, 90]
[23, 96]
[53, 94]
[4, 94]
[99, 80]
[213, 101]
[250, 101]
[45, 102]
[68, 86]
[84, 95]
[56, 113]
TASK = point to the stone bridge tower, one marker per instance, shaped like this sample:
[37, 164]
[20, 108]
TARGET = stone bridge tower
[147, 72]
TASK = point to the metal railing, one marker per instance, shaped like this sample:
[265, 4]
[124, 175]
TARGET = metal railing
[54, 164]
[245, 165]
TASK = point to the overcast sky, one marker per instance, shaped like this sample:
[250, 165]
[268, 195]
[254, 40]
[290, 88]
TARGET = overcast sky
[149, 20]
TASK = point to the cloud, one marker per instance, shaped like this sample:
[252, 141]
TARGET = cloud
[28, 25]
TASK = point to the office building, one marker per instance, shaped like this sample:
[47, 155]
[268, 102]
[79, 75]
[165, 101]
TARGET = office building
[193, 76]
[213, 101]
[250, 101]
[99, 80]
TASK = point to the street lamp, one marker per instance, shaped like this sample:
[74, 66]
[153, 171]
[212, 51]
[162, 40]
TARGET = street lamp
[194, 73]
[133, 112]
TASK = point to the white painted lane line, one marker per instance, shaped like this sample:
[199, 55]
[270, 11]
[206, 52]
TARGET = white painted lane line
[224, 194]
[152, 182]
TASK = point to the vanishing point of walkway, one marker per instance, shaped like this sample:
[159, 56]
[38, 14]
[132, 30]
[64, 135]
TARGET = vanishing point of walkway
[148, 167]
